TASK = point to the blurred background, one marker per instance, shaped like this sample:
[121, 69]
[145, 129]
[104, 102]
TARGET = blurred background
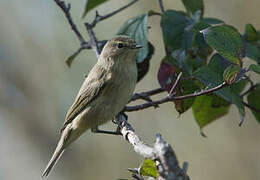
[37, 88]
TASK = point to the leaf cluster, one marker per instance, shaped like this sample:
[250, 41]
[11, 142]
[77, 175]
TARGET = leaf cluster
[207, 51]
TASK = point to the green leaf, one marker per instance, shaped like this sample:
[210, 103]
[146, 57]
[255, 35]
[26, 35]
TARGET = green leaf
[253, 100]
[185, 87]
[203, 49]
[227, 41]
[187, 39]
[148, 168]
[90, 4]
[184, 62]
[253, 52]
[211, 79]
[255, 68]
[71, 58]
[230, 74]
[218, 64]
[251, 34]
[208, 108]
[212, 21]
[192, 6]
[198, 26]
[173, 24]
[238, 87]
[136, 28]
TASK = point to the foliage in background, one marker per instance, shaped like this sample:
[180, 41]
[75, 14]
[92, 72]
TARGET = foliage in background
[207, 51]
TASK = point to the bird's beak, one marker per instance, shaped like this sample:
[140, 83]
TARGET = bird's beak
[136, 46]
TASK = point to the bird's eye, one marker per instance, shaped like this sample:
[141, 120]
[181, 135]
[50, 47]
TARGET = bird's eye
[120, 45]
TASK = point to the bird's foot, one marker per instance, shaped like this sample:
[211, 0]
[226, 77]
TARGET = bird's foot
[96, 130]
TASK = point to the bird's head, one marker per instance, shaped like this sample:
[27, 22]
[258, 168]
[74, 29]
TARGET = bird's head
[120, 46]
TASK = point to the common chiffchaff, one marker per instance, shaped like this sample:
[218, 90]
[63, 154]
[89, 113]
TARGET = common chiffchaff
[104, 93]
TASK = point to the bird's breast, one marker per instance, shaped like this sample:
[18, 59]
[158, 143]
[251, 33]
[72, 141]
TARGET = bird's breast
[116, 94]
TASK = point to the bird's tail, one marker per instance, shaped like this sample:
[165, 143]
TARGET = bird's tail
[55, 157]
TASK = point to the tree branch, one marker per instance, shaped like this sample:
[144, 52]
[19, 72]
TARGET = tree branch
[251, 107]
[99, 17]
[161, 6]
[66, 10]
[93, 43]
[168, 166]
[137, 96]
[252, 87]
[93, 40]
[171, 98]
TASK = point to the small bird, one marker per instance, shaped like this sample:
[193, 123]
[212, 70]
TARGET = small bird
[104, 93]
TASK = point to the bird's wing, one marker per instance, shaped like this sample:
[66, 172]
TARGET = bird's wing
[90, 90]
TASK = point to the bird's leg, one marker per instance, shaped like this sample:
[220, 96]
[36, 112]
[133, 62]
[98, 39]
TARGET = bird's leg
[96, 130]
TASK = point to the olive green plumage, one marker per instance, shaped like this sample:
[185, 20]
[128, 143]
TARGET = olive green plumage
[104, 93]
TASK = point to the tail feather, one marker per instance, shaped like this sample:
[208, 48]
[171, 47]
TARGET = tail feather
[54, 159]
[62, 144]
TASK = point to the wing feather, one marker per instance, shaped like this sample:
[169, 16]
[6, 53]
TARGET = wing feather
[93, 86]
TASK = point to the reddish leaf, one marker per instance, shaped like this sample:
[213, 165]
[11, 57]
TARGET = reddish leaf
[166, 75]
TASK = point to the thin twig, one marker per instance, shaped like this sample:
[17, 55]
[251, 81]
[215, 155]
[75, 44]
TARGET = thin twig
[154, 13]
[175, 84]
[171, 98]
[251, 107]
[252, 87]
[137, 96]
[93, 39]
[99, 17]
[137, 177]
[93, 43]
[161, 6]
[66, 10]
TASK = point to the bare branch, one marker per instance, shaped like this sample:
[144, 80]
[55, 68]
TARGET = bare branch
[137, 177]
[99, 17]
[251, 107]
[93, 43]
[252, 87]
[161, 6]
[154, 13]
[129, 134]
[137, 96]
[93, 39]
[66, 10]
[171, 98]
[168, 166]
